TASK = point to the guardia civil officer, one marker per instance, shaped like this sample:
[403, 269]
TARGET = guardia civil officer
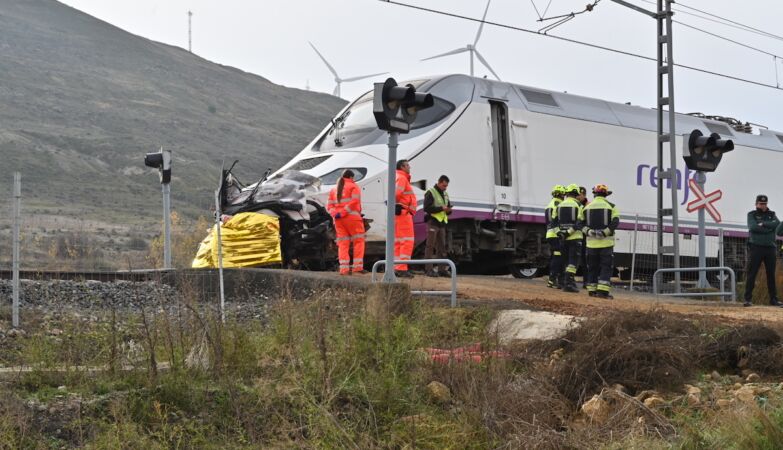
[762, 224]
[555, 250]
[568, 216]
[601, 220]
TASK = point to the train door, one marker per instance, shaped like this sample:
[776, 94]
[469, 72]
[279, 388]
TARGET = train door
[505, 194]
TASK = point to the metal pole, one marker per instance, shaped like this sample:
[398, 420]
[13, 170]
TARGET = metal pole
[721, 262]
[673, 144]
[388, 275]
[218, 221]
[633, 251]
[166, 187]
[17, 203]
[700, 178]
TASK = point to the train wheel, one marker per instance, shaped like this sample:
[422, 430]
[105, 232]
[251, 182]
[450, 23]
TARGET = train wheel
[521, 271]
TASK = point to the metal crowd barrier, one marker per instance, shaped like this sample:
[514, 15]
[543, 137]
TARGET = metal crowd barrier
[722, 293]
[419, 262]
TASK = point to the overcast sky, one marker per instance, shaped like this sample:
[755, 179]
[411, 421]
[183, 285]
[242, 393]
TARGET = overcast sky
[361, 37]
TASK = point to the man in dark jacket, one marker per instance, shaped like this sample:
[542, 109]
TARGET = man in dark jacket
[438, 207]
[762, 224]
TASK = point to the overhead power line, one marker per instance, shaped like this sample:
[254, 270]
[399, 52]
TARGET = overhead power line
[741, 44]
[757, 30]
[723, 21]
[582, 43]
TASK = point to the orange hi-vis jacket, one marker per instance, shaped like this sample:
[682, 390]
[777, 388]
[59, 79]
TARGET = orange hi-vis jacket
[404, 193]
[349, 226]
[351, 203]
[403, 223]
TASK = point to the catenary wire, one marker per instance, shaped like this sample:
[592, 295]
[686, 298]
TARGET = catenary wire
[726, 39]
[757, 30]
[725, 22]
[586, 44]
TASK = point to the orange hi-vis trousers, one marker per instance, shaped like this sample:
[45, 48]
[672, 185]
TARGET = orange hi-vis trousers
[403, 239]
[350, 230]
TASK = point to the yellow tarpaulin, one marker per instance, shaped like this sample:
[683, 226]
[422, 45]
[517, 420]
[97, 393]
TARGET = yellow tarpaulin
[249, 240]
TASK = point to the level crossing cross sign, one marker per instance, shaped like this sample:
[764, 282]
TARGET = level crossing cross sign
[705, 201]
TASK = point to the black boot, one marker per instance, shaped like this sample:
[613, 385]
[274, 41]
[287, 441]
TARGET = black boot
[570, 284]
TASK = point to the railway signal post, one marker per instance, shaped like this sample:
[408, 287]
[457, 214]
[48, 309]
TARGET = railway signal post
[395, 108]
[161, 160]
[703, 154]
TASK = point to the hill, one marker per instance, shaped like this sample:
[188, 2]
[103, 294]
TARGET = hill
[81, 101]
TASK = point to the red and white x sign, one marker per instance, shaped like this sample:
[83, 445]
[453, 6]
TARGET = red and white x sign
[705, 201]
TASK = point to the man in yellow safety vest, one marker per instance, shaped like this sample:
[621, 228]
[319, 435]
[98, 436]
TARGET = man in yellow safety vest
[438, 207]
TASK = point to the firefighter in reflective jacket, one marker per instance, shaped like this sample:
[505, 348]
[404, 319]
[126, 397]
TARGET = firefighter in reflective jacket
[345, 206]
[405, 209]
[601, 221]
[568, 217]
[556, 255]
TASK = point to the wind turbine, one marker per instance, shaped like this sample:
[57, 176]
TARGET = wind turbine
[471, 48]
[337, 78]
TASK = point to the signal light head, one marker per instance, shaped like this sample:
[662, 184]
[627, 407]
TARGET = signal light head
[704, 153]
[160, 160]
[395, 107]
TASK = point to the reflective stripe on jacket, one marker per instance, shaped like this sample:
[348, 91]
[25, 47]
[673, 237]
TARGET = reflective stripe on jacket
[612, 220]
[439, 201]
[351, 202]
[404, 194]
[569, 214]
[551, 228]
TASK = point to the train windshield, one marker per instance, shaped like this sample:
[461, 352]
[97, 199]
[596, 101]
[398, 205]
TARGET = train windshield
[356, 126]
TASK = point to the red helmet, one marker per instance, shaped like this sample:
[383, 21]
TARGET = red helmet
[601, 189]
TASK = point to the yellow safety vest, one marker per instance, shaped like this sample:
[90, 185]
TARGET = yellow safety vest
[611, 212]
[570, 203]
[441, 201]
[549, 213]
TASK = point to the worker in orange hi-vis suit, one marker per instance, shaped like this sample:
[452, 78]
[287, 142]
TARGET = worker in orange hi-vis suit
[345, 206]
[403, 224]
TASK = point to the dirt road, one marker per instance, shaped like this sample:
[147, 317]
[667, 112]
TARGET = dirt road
[535, 293]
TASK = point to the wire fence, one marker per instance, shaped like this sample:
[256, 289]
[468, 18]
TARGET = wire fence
[638, 259]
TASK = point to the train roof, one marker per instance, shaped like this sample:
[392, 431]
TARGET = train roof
[596, 110]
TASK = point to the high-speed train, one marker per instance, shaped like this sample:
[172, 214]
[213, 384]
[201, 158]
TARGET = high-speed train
[505, 145]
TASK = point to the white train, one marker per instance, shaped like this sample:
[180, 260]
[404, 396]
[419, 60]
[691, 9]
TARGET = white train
[504, 146]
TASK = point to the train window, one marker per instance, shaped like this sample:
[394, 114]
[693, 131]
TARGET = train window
[309, 163]
[718, 128]
[331, 177]
[541, 98]
[439, 110]
[500, 146]
[780, 137]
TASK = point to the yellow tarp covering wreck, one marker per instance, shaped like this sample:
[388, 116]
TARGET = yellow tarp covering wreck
[249, 240]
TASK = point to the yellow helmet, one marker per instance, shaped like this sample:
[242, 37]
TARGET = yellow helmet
[601, 189]
[572, 189]
[557, 190]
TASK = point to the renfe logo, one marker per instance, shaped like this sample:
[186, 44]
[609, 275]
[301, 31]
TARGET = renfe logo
[652, 176]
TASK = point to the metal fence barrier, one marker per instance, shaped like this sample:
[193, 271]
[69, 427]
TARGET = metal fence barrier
[721, 293]
[419, 262]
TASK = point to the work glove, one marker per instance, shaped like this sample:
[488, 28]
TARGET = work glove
[591, 233]
[337, 216]
[570, 231]
[599, 233]
[586, 231]
[608, 231]
[562, 233]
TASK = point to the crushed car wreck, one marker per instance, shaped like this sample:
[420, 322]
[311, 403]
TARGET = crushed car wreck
[306, 231]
